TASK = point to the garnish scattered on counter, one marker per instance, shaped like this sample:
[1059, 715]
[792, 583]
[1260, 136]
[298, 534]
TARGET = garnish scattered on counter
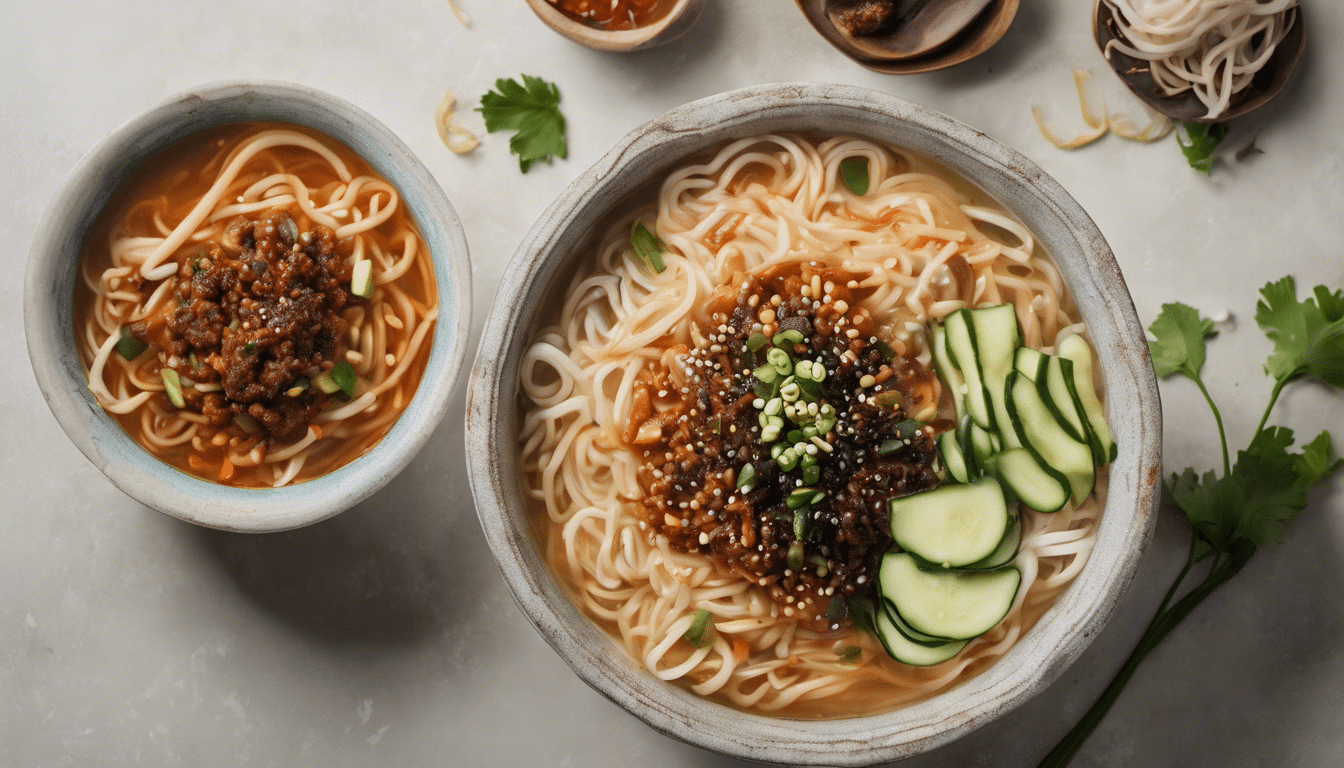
[1198, 143]
[1099, 121]
[1248, 506]
[531, 108]
[455, 136]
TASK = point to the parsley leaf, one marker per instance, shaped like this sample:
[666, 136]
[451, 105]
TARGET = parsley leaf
[1199, 141]
[1178, 340]
[533, 110]
[1308, 336]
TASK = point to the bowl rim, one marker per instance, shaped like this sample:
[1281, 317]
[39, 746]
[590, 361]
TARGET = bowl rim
[80, 200]
[1099, 290]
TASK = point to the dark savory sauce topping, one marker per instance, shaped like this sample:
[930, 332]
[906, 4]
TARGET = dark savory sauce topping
[255, 318]
[613, 15]
[788, 437]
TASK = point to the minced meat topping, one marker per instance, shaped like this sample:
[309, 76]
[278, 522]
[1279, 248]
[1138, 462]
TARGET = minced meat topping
[787, 434]
[255, 317]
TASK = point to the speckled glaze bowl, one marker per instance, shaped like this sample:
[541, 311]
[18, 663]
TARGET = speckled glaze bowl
[1099, 290]
[53, 267]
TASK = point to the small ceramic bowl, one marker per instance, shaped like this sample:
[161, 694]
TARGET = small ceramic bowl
[974, 39]
[53, 267]
[552, 248]
[1264, 86]
[678, 20]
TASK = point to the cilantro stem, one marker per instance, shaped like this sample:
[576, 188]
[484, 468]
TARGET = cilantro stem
[1163, 622]
[1273, 398]
[1218, 417]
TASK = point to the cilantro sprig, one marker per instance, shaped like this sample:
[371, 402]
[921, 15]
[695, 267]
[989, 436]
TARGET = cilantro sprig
[1234, 514]
[532, 108]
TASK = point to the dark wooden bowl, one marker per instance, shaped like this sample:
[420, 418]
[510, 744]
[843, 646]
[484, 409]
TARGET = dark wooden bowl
[1186, 106]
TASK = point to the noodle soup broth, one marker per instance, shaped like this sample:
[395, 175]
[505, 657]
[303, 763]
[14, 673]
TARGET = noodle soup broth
[630, 439]
[218, 316]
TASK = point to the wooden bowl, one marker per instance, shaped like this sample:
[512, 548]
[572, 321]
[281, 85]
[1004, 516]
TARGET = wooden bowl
[1186, 106]
[677, 21]
[978, 36]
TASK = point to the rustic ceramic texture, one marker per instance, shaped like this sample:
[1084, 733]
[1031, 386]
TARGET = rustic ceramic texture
[977, 37]
[546, 259]
[53, 266]
[1266, 84]
[678, 20]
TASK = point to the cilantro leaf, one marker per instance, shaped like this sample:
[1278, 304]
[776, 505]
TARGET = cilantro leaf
[1313, 464]
[1199, 141]
[1308, 336]
[531, 108]
[1178, 340]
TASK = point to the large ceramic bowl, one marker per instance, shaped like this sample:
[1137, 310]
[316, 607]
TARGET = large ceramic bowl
[49, 293]
[1096, 285]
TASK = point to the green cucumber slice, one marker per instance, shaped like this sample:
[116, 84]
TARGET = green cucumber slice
[947, 371]
[1004, 554]
[1076, 349]
[952, 525]
[956, 605]
[906, 651]
[1028, 361]
[1036, 485]
[1042, 434]
[961, 348]
[908, 631]
[996, 343]
[953, 458]
[1062, 397]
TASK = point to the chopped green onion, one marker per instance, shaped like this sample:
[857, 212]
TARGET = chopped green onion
[647, 246]
[800, 523]
[780, 360]
[765, 390]
[766, 374]
[800, 498]
[889, 447]
[907, 429]
[836, 611]
[790, 391]
[344, 375]
[756, 340]
[209, 387]
[715, 425]
[791, 336]
[823, 567]
[853, 652]
[172, 385]
[248, 424]
[888, 399]
[130, 347]
[249, 348]
[795, 436]
[701, 633]
[191, 357]
[774, 406]
[817, 497]
[747, 476]
[808, 460]
[777, 449]
[788, 460]
[795, 556]
[812, 474]
[300, 386]
[770, 433]
[887, 352]
[854, 172]
[324, 382]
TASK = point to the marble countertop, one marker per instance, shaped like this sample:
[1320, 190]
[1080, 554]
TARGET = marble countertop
[386, 636]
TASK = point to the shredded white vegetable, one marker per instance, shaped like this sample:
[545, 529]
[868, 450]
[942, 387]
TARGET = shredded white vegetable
[1099, 120]
[455, 137]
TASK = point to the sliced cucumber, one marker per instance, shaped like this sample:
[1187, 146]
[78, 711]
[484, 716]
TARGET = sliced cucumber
[906, 651]
[953, 458]
[947, 371]
[1042, 434]
[984, 444]
[951, 525]
[1076, 349]
[1036, 485]
[908, 631]
[961, 348]
[996, 343]
[1002, 555]
[957, 605]
[1028, 362]
[1063, 399]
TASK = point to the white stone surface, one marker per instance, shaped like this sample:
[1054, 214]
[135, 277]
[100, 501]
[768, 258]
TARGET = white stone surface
[385, 636]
